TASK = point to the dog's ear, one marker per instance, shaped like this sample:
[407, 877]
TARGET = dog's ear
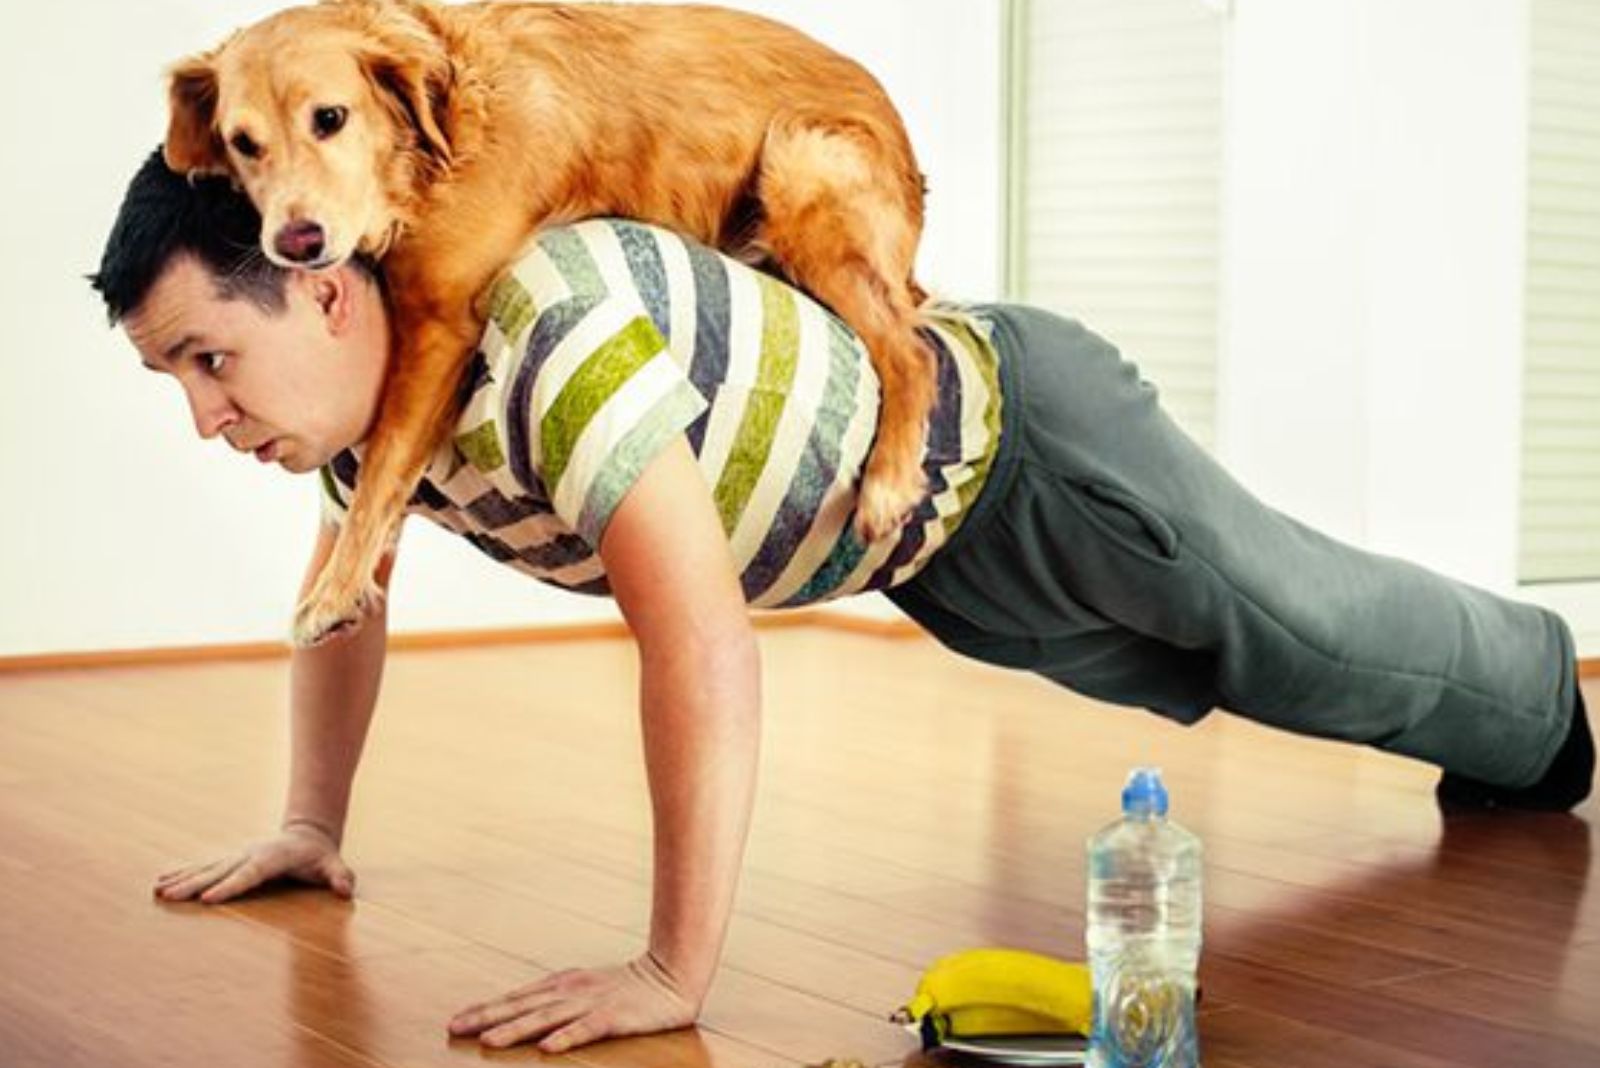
[193, 145]
[413, 76]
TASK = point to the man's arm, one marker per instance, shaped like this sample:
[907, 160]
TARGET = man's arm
[333, 690]
[674, 577]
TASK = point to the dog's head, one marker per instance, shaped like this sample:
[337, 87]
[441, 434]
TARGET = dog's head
[329, 117]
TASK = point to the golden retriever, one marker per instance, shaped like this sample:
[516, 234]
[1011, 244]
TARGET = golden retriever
[441, 137]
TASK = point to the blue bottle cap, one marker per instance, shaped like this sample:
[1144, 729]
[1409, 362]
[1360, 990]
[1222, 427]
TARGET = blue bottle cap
[1144, 795]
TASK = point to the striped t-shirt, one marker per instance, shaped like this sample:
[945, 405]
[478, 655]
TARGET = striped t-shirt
[609, 339]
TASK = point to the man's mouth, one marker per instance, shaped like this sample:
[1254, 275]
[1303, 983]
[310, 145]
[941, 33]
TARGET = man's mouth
[268, 452]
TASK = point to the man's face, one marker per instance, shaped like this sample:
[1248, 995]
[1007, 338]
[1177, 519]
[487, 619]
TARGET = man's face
[292, 387]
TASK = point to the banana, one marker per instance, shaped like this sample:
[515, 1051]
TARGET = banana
[996, 991]
[971, 1020]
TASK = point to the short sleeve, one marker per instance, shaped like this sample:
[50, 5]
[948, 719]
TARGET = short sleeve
[335, 505]
[607, 399]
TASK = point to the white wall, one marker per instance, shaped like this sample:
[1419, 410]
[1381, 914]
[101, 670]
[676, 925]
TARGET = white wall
[1290, 374]
[1377, 156]
[124, 531]
[1372, 353]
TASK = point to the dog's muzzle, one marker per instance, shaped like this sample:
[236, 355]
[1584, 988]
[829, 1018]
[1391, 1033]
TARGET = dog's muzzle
[301, 242]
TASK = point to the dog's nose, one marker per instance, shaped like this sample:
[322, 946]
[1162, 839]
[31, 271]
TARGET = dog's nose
[300, 242]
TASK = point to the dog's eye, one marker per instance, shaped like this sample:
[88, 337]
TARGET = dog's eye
[243, 145]
[328, 121]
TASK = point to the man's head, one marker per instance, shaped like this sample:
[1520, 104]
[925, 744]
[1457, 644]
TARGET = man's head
[287, 364]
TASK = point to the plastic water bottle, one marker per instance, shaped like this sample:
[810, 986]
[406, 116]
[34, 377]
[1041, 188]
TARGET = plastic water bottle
[1144, 933]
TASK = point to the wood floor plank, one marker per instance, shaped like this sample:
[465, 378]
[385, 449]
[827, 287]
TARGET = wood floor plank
[102, 976]
[1452, 1036]
[1571, 1011]
[38, 1032]
[1252, 1039]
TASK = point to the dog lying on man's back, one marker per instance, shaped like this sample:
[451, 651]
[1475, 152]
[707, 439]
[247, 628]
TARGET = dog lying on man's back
[415, 131]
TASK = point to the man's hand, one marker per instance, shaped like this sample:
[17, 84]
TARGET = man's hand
[579, 1006]
[301, 851]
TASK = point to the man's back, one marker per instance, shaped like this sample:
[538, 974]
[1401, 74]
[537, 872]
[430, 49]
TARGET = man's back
[610, 338]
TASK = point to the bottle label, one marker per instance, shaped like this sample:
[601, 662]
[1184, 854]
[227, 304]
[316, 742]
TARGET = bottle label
[1143, 1019]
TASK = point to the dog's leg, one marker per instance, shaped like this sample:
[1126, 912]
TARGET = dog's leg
[431, 346]
[837, 218]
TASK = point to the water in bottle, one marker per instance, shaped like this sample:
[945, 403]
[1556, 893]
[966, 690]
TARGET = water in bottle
[1144, 933]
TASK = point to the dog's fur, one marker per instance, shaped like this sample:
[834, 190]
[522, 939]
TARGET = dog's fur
[467, 127]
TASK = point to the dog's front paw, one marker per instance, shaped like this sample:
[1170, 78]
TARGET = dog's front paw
[328, 612]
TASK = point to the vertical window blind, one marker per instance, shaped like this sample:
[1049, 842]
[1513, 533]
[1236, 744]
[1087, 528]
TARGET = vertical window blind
[1116, 125]
[1560, 494]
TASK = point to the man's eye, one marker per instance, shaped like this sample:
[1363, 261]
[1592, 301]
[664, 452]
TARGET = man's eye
[244, 145]
[211, 362]
[325, 122]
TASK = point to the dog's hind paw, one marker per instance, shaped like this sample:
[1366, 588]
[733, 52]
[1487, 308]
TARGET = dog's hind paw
[883, 508]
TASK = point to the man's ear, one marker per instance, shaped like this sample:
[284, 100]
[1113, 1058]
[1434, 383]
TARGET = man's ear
[193, 145]
[335, 293]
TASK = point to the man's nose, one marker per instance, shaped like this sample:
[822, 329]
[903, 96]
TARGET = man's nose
[211, 410]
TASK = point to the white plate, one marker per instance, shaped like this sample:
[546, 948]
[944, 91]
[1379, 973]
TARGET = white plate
[1024, 1051]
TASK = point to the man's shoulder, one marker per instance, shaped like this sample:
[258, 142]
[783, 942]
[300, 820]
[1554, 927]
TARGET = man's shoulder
[591, 260]
[573, 270]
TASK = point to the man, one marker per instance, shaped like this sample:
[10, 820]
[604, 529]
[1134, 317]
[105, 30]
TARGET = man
[649, 420]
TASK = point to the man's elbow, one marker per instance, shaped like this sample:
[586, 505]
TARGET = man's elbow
[714, 632]
[721, 658]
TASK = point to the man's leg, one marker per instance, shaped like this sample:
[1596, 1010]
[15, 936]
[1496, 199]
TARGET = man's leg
[1121, 549]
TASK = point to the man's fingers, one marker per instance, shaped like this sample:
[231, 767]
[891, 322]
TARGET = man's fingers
[197, 880]
[474, 1016]
[487, 1014]
[579, 1032]
[177, 875]
[531, 1024]
[167, 878]
[471, 1021]
[573, 1008]
[245, 877]
[225, 879]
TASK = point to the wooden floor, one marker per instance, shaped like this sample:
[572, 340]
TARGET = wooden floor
[911, 804]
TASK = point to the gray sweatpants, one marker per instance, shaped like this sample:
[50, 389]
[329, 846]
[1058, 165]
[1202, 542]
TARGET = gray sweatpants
[1109, 553]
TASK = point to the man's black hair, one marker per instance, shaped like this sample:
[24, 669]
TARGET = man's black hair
[165, 215]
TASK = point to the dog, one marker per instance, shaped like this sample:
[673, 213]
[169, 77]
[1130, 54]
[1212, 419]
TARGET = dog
[406, 129]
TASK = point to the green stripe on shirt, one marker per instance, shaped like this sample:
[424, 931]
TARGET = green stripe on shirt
[601, 375]
[481, 445]
[331, 488]
[623, 465]
[983, 358]
[752, 444]
[510, 307]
